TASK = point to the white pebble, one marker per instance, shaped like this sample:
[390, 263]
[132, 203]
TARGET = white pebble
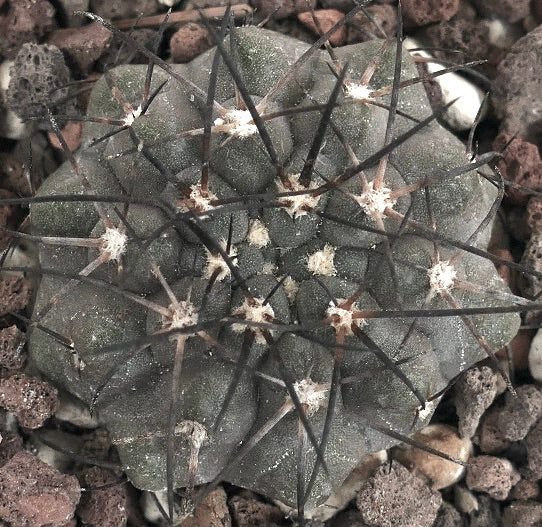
[535, 356]
[462, 114]
[11, 126]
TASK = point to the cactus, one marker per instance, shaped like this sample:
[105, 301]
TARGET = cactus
[245, 299]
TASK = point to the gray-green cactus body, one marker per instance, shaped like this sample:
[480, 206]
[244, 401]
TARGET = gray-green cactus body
[317, 261]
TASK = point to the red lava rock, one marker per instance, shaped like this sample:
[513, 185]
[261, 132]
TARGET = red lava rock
[521, 412]
[423, 12]
[105, 507]
[534, 214]
[490, 438]
[15, 293]
[247, 510]
[522, 513]
[521, 165]
[113, 9]
[33, 494]
[516, 94]
[10, 444]
[474, 393]
[361, 28]
[525, 490]
[530, 285]
[26, 21]
[12, 173]
[394, 497]
[326, 18]
[281, 8]
[448, 516]
[83, 46]
[461, 34]
[533, 444]
[211, 512]
[188, 42]
[12, 356]
[72, 135]
[510, 10]
[347, 519]
[7, 214]
[492, 475]
[31, 400]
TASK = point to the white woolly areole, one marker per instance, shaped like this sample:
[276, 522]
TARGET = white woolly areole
[258, 235]
[198, 200]
[358, 91]
[254, 310]
[132, 116]
[311, 394]
[237, 123]
[321, 262]
[215, 261]
[195, 432]
[375, 201]
[295, 205]
[291, 287]
[441, 277]
[182, 316]
[343, 318]
[114, 243]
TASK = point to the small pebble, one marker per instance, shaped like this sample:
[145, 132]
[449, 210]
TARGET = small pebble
[462, 114]
[11, 126]
[501, 33]
[188, 42]
[509, 10]
[34, 494]
[12, 355]
[439, 472]
[248, 510]
[394, 497]
[520, 412]
[533, 444]
[530, 286]
[361, 28]
[474, 393]
[520, 164]
[133, 8]
[327, 18]
[516, 94]
[33, 401]
[490, 438]
[82, 45]
[525, 489]
[281, 8]
[423, 12]
[74, 411]
[492, 475]
[522, 514]
[535, 356]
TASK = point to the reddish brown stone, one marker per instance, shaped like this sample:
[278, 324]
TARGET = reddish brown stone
[14, 294]
[423, 12]
[493, 475]
[33, 494]
[281, 8]
[12, 356]
[106, 507]
[31, 400]
[83, 46]
[326, 19]
[509, 10]
[521, 165]
[26, 21]
[247, 510]
[7, 215]
[534, 214]
[10, 444]
[71, 134]
[519, 347]
[361, 28]
[188, 42]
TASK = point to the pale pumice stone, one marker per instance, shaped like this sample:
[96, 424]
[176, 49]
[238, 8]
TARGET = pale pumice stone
[535, 356]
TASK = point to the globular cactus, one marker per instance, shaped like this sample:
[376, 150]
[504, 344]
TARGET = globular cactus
[243, 299]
